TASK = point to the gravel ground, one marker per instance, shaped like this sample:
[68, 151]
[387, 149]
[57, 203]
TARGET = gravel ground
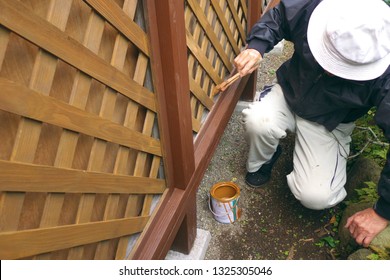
[273, 225]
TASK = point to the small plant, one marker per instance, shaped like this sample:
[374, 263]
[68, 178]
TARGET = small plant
[368, 139]
[368, 194]
[373, 256]
[330, 241]
[271, 71]
[379, 253]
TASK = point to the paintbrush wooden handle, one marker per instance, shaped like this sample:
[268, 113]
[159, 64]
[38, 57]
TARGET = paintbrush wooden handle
[223, 86]
[232, 79]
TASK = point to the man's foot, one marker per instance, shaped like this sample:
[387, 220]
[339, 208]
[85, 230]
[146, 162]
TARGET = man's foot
[262, 176]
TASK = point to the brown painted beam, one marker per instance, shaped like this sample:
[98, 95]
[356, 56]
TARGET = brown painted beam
[169, 64]
[185, 237]
[255, 11]
[171, 81]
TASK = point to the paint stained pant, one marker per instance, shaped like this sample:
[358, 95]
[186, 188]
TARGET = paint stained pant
[320, 156]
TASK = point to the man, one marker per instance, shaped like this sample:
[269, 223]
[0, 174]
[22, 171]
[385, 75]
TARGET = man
[339, 70]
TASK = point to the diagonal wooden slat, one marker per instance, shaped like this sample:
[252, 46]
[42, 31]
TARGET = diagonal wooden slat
[225, 25]
[203, 60]
[19, 19]
[196, 125]
[200, 94]
[23, 177]
[201, 44]
[20, 244]
[50, 110]
[244, 8]
[210, 33]
[111, 12]
[236, 19]
[4, 38]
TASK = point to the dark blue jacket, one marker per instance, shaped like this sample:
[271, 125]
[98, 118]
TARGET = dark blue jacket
[314, 95]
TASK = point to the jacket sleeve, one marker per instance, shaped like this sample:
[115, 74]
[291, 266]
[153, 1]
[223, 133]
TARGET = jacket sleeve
[382, 118]
[277, 24]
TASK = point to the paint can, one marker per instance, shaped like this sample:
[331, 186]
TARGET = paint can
[223, 202]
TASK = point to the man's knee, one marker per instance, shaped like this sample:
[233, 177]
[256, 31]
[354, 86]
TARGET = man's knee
[316, 198]
[261, 122]
[314, 195]
[322, 198]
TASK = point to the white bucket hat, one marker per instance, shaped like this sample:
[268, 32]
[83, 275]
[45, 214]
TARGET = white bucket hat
[351, 38]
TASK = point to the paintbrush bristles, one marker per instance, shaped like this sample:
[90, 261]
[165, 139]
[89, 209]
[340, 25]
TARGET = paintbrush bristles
[224, 85]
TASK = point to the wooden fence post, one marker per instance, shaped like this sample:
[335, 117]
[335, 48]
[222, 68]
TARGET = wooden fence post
[254, 11]
[171, 79]
[169, 62]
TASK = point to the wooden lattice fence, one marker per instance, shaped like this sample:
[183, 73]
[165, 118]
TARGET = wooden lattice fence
[215, 35]
[108, 121]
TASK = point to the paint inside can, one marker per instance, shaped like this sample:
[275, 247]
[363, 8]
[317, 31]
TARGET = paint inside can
[224, 198]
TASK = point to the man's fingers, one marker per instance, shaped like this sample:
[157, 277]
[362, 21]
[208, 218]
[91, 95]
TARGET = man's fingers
[349, 221]
[367, 240]
[364, 238]
[249, 68]
[352, 229]
[365, 225]
[241, 60]
[360, 239]
[247, 61]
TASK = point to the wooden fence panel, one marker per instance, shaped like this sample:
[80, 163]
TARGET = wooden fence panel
[80, 156]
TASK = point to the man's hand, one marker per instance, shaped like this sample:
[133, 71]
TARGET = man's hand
[365, 225]
[247, 61]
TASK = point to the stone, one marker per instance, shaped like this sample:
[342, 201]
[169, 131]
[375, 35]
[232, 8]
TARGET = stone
[382, 240]
[363, 170]
[361, 254]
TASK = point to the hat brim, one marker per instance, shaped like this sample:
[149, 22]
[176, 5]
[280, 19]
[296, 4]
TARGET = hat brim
[330, 61]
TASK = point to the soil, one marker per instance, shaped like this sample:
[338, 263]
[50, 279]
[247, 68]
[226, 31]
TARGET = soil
[273, 224]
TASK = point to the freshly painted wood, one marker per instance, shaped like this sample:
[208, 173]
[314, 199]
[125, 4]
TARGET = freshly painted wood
[21, 244]
[225, 25]
[23, 177]
[34, 105]
[19, 19]
[117, 17]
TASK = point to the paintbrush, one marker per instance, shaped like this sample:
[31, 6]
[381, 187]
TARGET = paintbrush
[224, 85]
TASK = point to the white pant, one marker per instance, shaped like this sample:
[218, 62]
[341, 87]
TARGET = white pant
[320, 156]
